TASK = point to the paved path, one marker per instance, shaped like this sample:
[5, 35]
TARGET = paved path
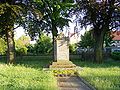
[71, 83]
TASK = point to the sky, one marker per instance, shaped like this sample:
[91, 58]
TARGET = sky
[19, 32]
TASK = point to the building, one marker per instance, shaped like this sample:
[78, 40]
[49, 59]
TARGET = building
[116, 38]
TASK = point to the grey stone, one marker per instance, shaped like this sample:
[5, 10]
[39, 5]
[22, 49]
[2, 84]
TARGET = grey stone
[61, 48]
[61, 53]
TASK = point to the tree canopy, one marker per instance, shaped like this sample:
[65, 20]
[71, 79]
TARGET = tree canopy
[12, 12]
[103, 16]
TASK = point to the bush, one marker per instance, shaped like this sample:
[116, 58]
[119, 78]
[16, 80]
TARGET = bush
[115, 55]
[21, 51]
[72, 48]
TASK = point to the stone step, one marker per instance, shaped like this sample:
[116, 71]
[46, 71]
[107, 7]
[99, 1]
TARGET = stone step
[62, 66]
[62, 63]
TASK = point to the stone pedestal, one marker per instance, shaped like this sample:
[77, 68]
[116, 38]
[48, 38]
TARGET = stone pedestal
[61, 53]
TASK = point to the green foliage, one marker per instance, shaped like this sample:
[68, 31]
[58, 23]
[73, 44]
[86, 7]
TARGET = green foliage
[72, 48]
[108, 39]
[86, 40]
[102, 16]
[10, 12]
[55, 15]
[3, 46]
[22, 44]
[65, 72]
[115, 55]
[31, 50]
[43, 45]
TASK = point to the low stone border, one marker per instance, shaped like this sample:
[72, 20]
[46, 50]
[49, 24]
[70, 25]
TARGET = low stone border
[85, 82]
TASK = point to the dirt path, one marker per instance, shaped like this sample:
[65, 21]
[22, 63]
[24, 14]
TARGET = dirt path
[71, 83]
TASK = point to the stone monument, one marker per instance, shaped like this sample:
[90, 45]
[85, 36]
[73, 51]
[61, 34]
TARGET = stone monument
[61, 53]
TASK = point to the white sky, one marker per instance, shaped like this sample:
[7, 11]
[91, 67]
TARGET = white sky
[19, 32]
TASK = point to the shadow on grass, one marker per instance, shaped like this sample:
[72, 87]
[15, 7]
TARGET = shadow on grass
[107, 63]
[31, 61]
[45, 61]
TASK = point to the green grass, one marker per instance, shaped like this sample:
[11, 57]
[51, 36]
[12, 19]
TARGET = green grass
[104, 76]
[27, 75]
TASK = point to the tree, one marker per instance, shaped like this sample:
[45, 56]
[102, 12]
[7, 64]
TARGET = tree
[31, 50]
[8, 14]
[43, 45]
[55, 15]
[3, 46]
[72, 48]
[87, 40]
[11, 12]
[21, 45]
[108, 39]
[103, 16]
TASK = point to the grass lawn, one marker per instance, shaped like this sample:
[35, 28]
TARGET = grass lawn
[27, 75]
[102, 76]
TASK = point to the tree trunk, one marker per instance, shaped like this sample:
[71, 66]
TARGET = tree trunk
[98, 47]
[53, 47]
[54, 34]
[10, 46]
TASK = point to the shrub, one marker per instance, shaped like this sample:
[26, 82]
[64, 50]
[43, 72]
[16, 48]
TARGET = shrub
[73, 48]
[115, 55]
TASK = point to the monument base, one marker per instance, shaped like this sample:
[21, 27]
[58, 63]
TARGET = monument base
[62, 64]
[63, 68]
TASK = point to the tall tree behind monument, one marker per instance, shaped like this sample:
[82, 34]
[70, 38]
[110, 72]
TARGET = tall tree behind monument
[103, 16]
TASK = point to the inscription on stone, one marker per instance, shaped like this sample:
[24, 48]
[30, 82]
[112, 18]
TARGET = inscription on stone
[61, 47]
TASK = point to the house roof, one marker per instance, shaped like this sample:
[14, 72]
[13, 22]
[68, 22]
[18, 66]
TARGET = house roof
[116, 35]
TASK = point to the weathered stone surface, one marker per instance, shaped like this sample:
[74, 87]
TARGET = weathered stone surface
[61, 53]
[62, 64]
[61, 49]
[72, 83]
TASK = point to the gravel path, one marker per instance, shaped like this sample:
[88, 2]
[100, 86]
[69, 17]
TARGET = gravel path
[71, 83]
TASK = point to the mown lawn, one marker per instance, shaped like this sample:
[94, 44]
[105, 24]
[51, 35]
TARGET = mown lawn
[27, 75]
[104, 76]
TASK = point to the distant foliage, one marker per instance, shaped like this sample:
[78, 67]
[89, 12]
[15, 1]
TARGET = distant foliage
[108, 39]
[21, 45]
[31, 50]
[86, 40]
[43, 45]
[115, 55]
[72, 48]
